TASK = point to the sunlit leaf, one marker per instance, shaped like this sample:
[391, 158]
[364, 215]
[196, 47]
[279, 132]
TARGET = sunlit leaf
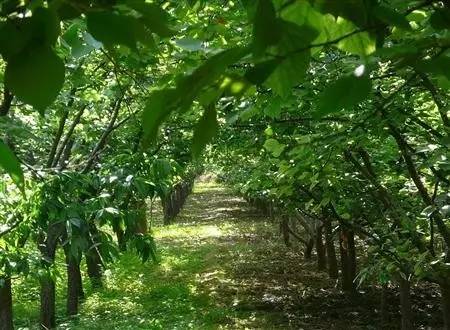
[355, 41]
[10, 163]
[275, 147]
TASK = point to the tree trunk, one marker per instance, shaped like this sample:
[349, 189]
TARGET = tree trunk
[384, 315]
[141, 226]
[167, 207]
[74, 285]
[352, 256]
[309, 248]
[121, 239]
[320, 249]
[331, 252]
[405, 304]
[94, 268]
[6, 311]
[347, 281]
[284, 227]
[445, 292]
[48, 292]
[48, 305]
[93, 260]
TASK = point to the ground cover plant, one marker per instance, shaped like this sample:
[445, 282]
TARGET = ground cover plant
[329, 118]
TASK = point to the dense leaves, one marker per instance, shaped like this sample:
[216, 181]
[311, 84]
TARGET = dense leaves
[329, 116]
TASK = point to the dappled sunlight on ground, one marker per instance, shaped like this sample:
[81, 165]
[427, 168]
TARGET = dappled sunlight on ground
[223, 266]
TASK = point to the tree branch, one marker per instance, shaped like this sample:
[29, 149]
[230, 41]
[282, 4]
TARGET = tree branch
[103, 138]
[68, 136]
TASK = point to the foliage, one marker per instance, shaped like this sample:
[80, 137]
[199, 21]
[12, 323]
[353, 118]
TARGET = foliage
[331, 113]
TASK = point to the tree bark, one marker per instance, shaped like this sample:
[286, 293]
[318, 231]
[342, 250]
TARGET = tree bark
[74, 285]
[121, 238]
[116, 104]
[94, 268]
[141, 226]
[331, 251]
[416, 177]
[309, 248]
[6, 103]
[284, 228]
[6, 311]
[348, 261]
[405, 304]
[48, 304]
[64, 160]
[48, 292]
[68, 136]
[320, 249]
[57, 138]
[352, 258]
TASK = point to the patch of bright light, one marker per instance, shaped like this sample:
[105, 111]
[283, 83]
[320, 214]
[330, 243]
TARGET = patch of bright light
[359, 71]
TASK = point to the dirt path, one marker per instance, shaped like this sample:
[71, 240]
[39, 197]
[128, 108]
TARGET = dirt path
[223, 266]
[250, 278]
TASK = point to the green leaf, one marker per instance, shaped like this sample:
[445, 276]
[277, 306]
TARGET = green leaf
[67, 10]
[45, 26]
[162, 168]
[114, 29]
[35, 76]
[358, 43]
[295, 54]
[189, 87]
[73, 39]
[417, 16]
[274, 107]
[259, 73]
[10, 163]
[275, 147]
[14, 36]
[439, 66]
[205, 130]
[343, 93]
[153, 17]
[352, 10]
[390, 16]
[161, 103]
[289, 73]
[302, 13]
[266, 29]
[159, 106]
[440, 19]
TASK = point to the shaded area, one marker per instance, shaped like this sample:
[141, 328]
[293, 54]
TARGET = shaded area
[223, 266]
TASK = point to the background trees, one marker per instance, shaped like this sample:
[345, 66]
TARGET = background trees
[332, 117]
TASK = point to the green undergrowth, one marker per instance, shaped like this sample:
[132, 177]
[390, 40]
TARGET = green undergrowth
[194, 286]
[222, 266]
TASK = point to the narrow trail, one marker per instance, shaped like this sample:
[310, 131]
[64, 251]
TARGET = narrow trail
[223, 266]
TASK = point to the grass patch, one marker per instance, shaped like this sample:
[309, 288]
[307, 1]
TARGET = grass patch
[186, 290]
